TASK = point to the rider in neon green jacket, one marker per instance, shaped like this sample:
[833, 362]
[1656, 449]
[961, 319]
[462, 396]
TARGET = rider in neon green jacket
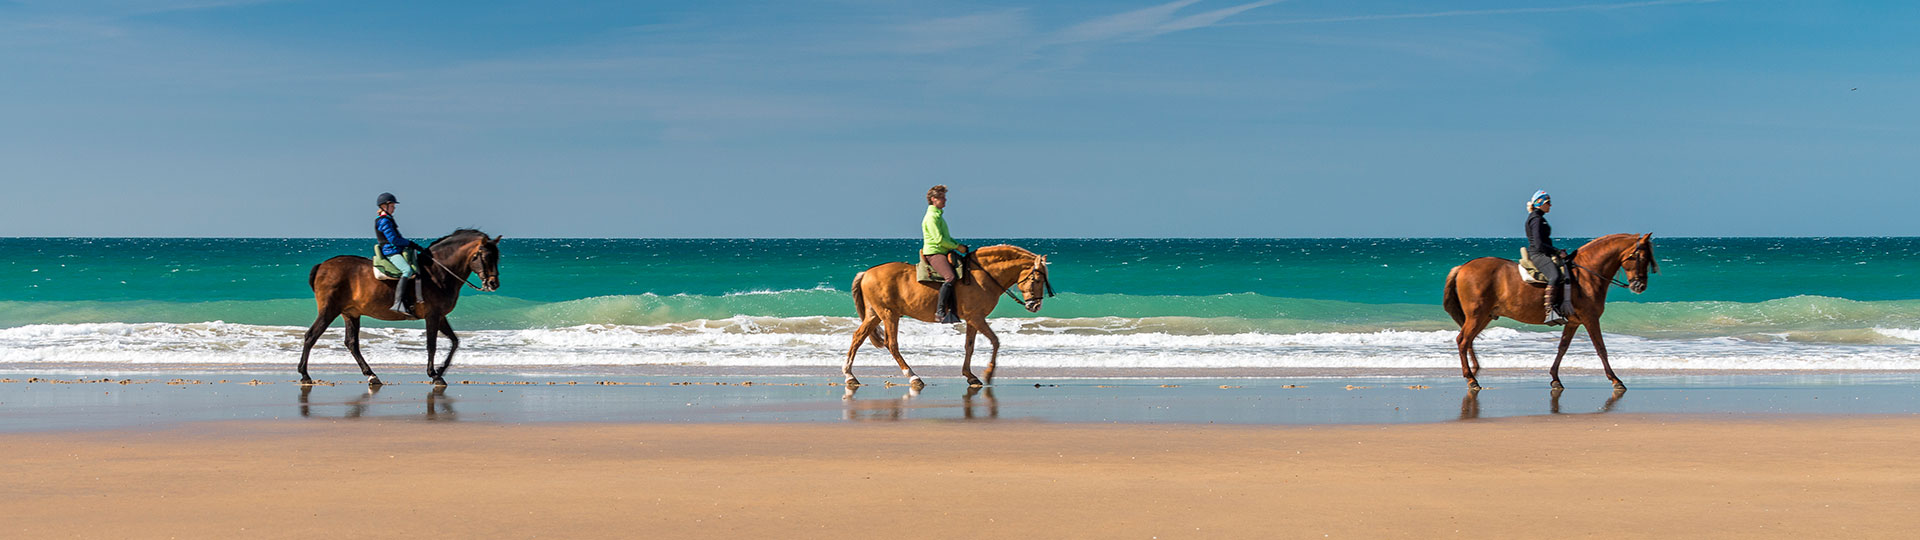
[936, 243]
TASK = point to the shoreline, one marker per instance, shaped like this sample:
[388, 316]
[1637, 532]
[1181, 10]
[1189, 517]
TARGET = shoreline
[46, 402]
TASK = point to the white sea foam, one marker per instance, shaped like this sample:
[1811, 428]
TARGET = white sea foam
[822, 341]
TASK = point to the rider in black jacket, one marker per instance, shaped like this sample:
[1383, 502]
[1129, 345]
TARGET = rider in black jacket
[1544, 256]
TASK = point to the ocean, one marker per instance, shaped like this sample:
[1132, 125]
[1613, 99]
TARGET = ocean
[1243, 304]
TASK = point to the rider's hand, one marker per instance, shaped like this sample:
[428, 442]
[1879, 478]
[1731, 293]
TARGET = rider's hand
[964, 248]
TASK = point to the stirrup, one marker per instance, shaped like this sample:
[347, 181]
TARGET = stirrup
[1554, 318]
[948, 317]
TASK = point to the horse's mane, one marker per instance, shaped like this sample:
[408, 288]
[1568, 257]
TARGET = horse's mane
[1600, 243]
[459, 235]
[997, 253]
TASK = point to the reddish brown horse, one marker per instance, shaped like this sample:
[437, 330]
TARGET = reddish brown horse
[883, 294]
[345, 286]
[1488, 288]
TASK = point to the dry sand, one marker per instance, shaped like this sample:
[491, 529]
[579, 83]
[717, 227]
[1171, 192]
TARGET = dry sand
[1597, 475]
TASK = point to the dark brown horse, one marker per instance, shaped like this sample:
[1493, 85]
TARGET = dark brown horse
[1488, 288]
[883, 294]
[345, 286]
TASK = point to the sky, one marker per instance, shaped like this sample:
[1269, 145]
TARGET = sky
[1192, 118]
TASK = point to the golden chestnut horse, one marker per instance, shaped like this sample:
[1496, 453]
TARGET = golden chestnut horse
[883, 294]
[1488, 288]
[345, 286]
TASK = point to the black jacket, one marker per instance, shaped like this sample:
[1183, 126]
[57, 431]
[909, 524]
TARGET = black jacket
[1540, 234]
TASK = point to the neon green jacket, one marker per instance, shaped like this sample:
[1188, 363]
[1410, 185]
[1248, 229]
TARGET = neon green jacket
[933, 229]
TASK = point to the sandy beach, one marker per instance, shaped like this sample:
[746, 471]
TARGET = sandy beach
[1582, 475]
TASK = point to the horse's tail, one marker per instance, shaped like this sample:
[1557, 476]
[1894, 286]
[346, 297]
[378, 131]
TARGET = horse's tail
[860, 311]
[1452, 298]
[312, 276]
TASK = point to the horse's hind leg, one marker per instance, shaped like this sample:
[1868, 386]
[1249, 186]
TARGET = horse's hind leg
[1464, 342]
[353, 347]
[1600, 347]
[314, 332]
[1566, 338]
[893, 346]
[859, 335]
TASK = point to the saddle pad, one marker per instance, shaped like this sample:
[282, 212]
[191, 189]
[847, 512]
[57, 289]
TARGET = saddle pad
[923, 272]
[384, 269]
[1528, 273]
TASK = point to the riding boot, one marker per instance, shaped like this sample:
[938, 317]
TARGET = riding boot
[400, 302]
[944, 308]
[1554, 292]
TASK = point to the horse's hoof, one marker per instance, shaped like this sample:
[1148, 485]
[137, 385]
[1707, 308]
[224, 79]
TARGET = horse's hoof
[439, 382]
[306, 381]
[1618, 386]
[853, 382]
[916, 382]
[373, 381]
[1558, 386]
[1474, 386]
[974, 383]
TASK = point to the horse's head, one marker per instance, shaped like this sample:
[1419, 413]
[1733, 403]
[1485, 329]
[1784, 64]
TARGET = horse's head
[1033, 284]
[486, 262]
[1639, 263]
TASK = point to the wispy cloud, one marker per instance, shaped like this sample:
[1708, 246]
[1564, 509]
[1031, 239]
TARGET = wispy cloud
[1148, 22]
[1475, 12]
[964, 32]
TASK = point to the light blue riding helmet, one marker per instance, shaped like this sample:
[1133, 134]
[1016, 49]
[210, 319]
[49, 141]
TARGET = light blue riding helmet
[1539, 198]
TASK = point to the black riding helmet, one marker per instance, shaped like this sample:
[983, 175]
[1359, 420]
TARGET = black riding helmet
[386, 198]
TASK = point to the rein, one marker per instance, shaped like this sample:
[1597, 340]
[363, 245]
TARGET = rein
[1616, 281]
[996, 283]
[449, 271]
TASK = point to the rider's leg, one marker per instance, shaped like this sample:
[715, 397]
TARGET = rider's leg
[1556, 280]
[401, 302]
[944, 307]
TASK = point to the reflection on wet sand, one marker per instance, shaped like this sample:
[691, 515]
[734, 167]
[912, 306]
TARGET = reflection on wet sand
[894, 409]
[1608, 407]
[1470, 404]
[439, 406]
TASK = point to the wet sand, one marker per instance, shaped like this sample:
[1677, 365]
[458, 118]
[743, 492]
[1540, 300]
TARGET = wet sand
[1626, 475]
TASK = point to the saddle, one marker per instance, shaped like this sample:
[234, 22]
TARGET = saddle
[1532, 275]
[1528, 273]
[383, 269]
[923, 272]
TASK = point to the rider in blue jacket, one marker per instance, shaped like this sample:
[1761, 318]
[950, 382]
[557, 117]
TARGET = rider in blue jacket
[398, 250]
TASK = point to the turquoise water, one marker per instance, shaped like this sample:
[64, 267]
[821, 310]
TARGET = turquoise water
[1221, 301]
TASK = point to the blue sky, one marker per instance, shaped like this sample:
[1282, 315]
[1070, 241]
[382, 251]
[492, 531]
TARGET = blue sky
[1049, 119]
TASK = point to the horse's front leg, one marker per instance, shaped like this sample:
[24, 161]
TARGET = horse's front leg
[453, 344]
[966, 364]
[1600, 347]
[993, 358]
[1566, 339]
[433, 342]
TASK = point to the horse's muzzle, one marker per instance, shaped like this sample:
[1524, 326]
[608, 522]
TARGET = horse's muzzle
[1033, 306]
[1637, 286]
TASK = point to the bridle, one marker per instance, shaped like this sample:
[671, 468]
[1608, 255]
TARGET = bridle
[477, 269]
[1653, 267]
[1041, 274]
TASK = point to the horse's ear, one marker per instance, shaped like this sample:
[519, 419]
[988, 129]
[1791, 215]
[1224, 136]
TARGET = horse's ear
[496, 239]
